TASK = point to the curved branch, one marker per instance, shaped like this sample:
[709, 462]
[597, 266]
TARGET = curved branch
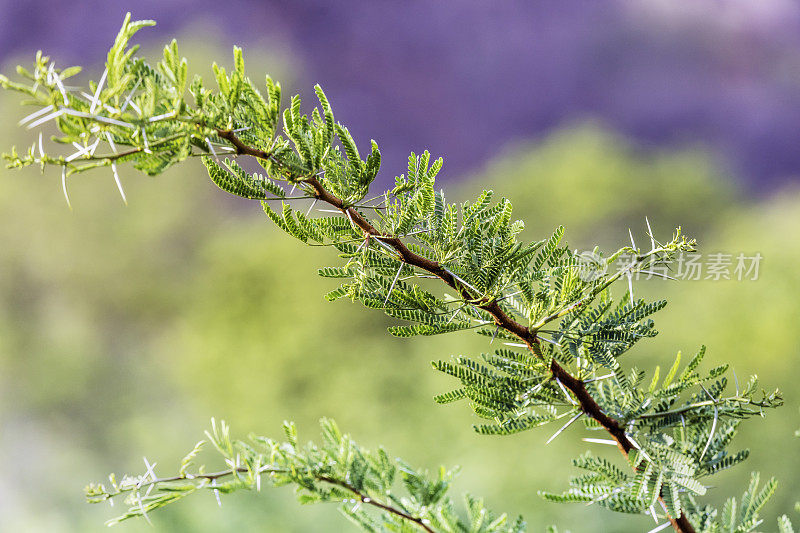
[587, 403]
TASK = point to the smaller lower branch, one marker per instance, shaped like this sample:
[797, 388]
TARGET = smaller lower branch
[213, 476]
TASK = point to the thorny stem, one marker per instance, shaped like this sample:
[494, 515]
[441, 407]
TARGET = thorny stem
[212, 476]
[585, 400]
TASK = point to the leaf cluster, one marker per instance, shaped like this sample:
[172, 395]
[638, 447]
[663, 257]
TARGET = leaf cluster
[433, 266]
[375, 491]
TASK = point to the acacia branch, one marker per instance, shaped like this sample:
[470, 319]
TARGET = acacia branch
[585, 400]
[213, 476]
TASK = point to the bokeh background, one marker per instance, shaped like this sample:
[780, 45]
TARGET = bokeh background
[124, 329]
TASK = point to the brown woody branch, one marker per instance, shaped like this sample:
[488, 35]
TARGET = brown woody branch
[369, 501]
[587, 403]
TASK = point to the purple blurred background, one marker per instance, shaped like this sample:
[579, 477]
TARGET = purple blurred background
[465, 78]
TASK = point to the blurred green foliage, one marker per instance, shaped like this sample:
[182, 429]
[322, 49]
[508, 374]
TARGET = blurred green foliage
[120, 328]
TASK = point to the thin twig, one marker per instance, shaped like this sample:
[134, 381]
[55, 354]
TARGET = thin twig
[212, 478]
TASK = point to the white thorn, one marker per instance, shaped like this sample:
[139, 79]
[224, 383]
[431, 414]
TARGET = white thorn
[713, 423]
[453, 316]
[662, 527]
[227, 166]
[549, 341]
[462, 281]
[44, 119]
[111, 142]
[216, 493]
[41, 148]
[98, 118]
[636, 445]
[650, 231]
[391, 250]
[565, 426]
[93, 147]
[58, 82]
[160, 117]
[630, 287]
[146, 144]
[142, 509]
[633, 243]
[130, 95]
[564, 390]
[34, 115]
[601, 441]
[211, 148]
[598, 378]
[96, 97]
[64, 185]
[82, 150]
[391, 288]
[119, 183]
[149, 473]
[311, 207]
